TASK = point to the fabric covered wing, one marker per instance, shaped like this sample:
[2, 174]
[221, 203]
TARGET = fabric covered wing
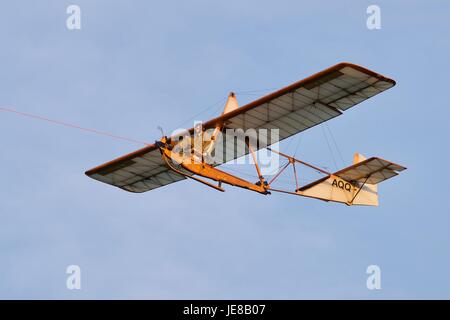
[139, 171]
[306, 103]
[371, 171]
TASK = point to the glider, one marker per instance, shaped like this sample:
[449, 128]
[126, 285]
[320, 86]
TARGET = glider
[290, 110]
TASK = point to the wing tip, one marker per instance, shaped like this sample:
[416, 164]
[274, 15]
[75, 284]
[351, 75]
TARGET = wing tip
[344, 64]
[89, 173]
[114, 162]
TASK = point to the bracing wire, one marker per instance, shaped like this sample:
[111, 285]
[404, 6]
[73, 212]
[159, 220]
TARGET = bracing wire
[335, 144]
[208, 108]
[329, 148]
[254, 92]
[298, 145]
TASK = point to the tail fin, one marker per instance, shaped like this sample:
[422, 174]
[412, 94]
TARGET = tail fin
[354, 185]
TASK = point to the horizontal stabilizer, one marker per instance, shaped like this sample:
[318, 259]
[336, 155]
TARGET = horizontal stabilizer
[354, 185]
[371, 171]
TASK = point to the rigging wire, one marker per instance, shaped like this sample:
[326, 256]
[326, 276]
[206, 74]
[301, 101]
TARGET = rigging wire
[329, 148]
[208, 108]
[298, 145]
[335, 144]
[254, 92]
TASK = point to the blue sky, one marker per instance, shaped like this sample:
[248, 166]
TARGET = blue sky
[137, 65]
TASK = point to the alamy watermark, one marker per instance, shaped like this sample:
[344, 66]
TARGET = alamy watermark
[73, 21]
[374, 280]
[374, 19]
[73, 281]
